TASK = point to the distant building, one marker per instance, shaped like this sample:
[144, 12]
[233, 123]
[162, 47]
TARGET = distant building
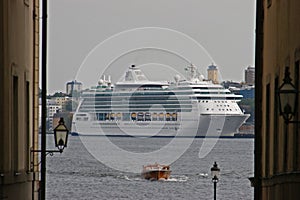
[61, 101]
[67, 119]
[247, 128]
[73, 86]
[250, 75]
[231, 84]
[248, 92]
[212, 73]
[52, 108]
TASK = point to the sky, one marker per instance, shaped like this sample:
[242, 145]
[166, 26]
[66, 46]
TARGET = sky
[89, 38]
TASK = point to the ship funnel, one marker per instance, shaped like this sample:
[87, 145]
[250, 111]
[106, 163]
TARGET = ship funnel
[176, 78]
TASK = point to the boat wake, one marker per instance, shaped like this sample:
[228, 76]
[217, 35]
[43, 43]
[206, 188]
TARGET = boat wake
[173, 178]
[202, 175]
[177, 178]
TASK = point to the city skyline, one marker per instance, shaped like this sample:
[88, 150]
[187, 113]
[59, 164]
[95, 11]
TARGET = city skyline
[65, 87]
[225, 30]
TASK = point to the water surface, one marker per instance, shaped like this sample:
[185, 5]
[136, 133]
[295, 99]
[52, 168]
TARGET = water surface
[76, 174]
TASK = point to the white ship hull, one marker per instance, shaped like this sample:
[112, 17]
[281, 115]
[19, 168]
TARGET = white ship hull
[138, 107]
[206, 126]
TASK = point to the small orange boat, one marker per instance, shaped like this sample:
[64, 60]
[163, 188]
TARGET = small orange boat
[156, 172]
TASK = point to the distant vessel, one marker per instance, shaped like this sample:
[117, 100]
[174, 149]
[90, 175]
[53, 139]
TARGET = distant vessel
[136, 106]
[156, 172]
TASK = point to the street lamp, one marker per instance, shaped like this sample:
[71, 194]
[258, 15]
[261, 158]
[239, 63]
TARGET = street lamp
[60, 139]
[215, 174]
[61, 135]
[287, 94]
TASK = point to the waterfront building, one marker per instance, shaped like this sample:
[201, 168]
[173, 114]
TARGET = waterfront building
[212, 73]
[19, 71]
[247, 103]
[250, 75]
[248, 92]
[67, 119]
[52, 108]
[277, 144]
[73, 87]
[247, 128]
[231, 84]
[61, 101]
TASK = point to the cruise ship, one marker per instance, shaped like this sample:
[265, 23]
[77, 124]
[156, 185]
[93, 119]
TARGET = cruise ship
[135, 106]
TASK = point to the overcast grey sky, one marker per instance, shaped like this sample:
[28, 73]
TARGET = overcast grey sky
[224, 28]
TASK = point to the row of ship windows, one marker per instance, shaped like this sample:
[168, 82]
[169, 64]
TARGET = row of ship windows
[214, 101]
[215, 98]
[212, 92]
[221, 109]
[223, 105]
[140, 116]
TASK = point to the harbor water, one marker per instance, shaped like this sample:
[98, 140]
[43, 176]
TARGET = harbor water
[76, 174]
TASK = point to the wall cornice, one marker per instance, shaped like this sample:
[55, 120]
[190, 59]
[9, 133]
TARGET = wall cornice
[283, 178]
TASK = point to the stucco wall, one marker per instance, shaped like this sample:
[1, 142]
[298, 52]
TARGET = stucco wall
[18, 80]
[277, 144]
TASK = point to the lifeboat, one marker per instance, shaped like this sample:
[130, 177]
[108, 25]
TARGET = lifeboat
[174, 116]
[154, 116]
[141, 116]
[161, 116]
[112, 116]
[147, 116]
[156, 172]
[118, 116]
[133, 116]
[168, 116]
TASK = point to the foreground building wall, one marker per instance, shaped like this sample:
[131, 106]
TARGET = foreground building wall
[277, 146]
[18, 97]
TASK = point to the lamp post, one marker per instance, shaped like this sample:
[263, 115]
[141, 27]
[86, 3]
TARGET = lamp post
[215, 174]
[61, 135]
[60, 139]
[288, 95]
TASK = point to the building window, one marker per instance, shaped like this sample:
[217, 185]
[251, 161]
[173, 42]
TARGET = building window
[15, 124]
[275, 132]
[267, 140]
[296, 138]
[269, 3]
[27, 119]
